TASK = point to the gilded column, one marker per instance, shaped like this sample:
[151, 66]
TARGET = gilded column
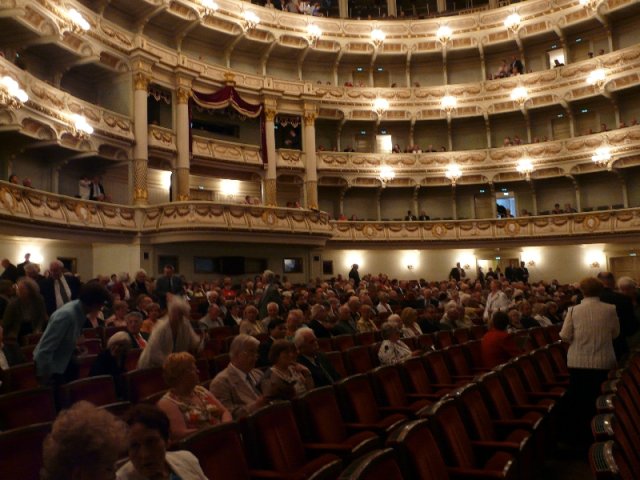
[270, 193]
[182, 141]
[311, 183]
[141, 132]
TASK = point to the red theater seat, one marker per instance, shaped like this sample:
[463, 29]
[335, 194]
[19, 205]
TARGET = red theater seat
[142, 383]
[26, 407]
[98, 390]
[357, 359]
[21, 456]
[377, 465]
[343, 342]
[417, 380]
[391, 394]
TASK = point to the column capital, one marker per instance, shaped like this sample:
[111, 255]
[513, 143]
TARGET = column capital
[270, 114]
[310, 118]
[141, 81]
[183, 94]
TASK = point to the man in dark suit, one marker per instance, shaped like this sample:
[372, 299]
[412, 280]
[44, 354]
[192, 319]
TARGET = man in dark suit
[270, 293]
[96, 190]
[59, 288]
[345, 324]
[516, 64]
[168, 283]
[277, 330]
[10, 271]
[457, 273]
[310, 356]
[318, 323]
[624, 309]
[10, 353]
[20, 266]
[354, 275]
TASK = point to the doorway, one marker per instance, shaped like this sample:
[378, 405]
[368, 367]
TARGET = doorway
[628, 266]
[506, 203]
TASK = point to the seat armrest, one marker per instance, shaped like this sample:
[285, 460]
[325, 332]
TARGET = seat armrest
[458, 473]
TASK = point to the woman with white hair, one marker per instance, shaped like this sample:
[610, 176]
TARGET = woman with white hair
[173, 333]
[392, 349]
[112, 360]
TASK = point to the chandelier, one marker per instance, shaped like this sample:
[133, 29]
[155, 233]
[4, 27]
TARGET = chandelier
[525, 167]
[77, 24]
[209, 7]
[81, 127]
[453, 173]
[519, 95]
[377, 37]
[251, 20]
[448, 103]
[512, 22]
[313, 33]
[11, 95]
[597, 78]
[602, 156]
[386, 175]
[380, 105]
[444, 34]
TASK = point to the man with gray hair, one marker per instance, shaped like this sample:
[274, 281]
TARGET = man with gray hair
[310, 356]
[58, 289]
[273, 313]
[270, 293]
[238, 386]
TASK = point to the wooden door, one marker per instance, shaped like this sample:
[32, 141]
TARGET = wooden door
[483, 206]
[625, 267]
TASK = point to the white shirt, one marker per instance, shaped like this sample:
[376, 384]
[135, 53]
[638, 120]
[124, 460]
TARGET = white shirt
[496, 301]
[391, 353]
[56, 289]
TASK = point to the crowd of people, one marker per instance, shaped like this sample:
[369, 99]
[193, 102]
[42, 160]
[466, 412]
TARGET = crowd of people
[275, 355]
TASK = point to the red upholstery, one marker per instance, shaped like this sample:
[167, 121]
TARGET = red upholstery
[312, 411]
[110, 331]
[98, 390]
[274, 438]
[558, 358]
[542, 359]
[518, 393]
[417, 380]
[219, 450]
[425, 341]
[343, 342]
[357, 360]
[93, 333]
[458, 448]
[325, 344]
[131, 363]
[218, 338]
[27, 352]
[358, 405]
[538, 337]
[19, 377]
[21, 449]
[391, 394]
[335, 358]
[462, 335]
[32, 338]
[365, 338]
[220, 362]
[26, 407]
[460, 361]
[533, 379]
[377, 465]
[478, 331]
[474, 349]
[444, 338]
[142, 383]
[84, 365]
[503, 435]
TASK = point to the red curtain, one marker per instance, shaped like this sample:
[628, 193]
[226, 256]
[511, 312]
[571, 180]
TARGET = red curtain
[228, 96]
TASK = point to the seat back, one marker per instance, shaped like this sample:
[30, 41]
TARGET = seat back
[458, 359]
[133, 355]
[84, 365]
[530, 375]
[444, 338]
[538, 336]
[437, 367]
[475, 412]
[513, 382]
[343, 342]
[474, 349]
[220, 362]
[425, 341]
[452, 433]
[554, 333]
[418, 452]
[336, 360]
[312, 411]
[19, 377]
[608, 461]
[325, 344]
[415, 375]
[357, 359]
[365, 338]
[142, 383]
[100, 390]
[219, 450]
[21, 449]
[478, 331]
[558, 358]
[90, 346]
[26, 407]
[388, 386]
[358, 400]
[275, 434]
[496, 396]
[377, 465]
[462, 335]
[541, 358]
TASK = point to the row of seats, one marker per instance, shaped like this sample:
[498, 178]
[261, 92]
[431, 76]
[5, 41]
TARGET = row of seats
[616, 427]
[478, 430]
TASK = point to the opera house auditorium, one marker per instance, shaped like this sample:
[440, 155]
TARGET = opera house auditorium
[343, 239]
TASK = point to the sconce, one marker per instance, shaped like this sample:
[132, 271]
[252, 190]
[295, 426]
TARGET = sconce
[386, 175]
[209, 8]
[251, 20]
[11, 95]
[512, 22]
[313, 34]
[466, 266]
[453, 173]
[378, 37]
[590, 4]
[448, 103]
[531, 263]
[519, 95]
[80, 127]
[410, 267]
[597, 78]
[75, 22]
[595, 265]
[380, 105]
[444, 34]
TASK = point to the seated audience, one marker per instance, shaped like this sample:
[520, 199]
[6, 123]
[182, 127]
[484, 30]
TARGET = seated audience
[410, 327]
[137, 338]
[84, 443]
[392, 350]
[286, 378]
[277, 330]
[365, 323]
[148, 455]
[112, 360]
[310, 356]
[250, 323]
[25, 313]
[172, 334]
[189, 406]
[238, 387]
[320, 322]
[120, 309]
[153, 314]
[497, 345]
[10, 353]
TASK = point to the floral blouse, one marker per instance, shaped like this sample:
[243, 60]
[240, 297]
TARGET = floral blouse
[204, 410]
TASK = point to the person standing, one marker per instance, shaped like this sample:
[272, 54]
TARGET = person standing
[354, 275]
[54, 354]
[59, 288]
[168, 283]
[624, 310]
[270, 293]
[497, 300]
[589, 328]
[457, 273]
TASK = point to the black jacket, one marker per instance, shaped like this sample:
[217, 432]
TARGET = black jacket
[322, 371]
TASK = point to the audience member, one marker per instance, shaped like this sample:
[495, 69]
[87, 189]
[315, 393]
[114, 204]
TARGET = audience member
[10, 353]
[497, 345]
[277, 330]
[59, 288]
[169, 283]
[286, 378]
[311, 357]
[392, 350]
[25, 313]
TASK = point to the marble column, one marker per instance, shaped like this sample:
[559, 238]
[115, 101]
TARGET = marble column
[182, 140]
[269, 190]
[311, 180]
[139, 167]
